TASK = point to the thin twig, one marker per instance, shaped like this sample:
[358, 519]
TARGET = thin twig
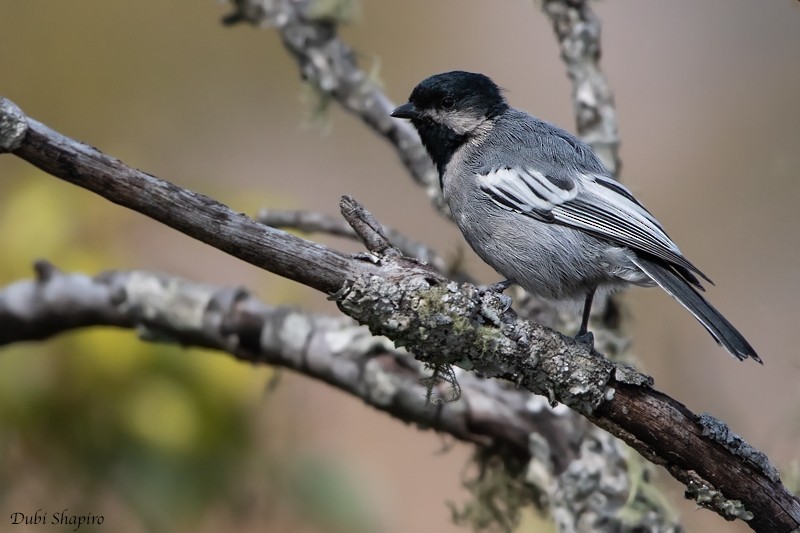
[366, 227]
[314, 222]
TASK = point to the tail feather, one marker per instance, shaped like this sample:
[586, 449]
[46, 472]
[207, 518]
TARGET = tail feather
[723, 331]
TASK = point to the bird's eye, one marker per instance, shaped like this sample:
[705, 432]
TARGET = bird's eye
[448, 102]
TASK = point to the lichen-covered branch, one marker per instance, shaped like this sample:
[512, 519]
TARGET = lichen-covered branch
[548, 455]
[440, 322]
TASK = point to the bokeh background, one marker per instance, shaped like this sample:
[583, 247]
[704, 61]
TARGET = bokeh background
[159, 438]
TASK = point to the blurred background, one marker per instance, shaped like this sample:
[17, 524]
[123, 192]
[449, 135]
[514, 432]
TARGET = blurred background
[157, 438]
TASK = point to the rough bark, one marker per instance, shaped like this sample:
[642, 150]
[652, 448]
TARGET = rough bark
[442, 322]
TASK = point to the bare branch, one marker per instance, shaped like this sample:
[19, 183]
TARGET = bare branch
[194, 214]
[307, 222]
[443, 323]
[368, 229]
[312, 222]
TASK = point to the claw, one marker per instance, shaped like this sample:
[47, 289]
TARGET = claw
[499, 287]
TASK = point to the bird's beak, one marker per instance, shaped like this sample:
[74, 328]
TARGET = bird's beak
[405, 111]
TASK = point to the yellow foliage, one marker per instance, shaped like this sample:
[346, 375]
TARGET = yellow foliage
[25, 377]
[108, 353]
[162, 414]
[227, 379]
[45, 219]
[36, 224]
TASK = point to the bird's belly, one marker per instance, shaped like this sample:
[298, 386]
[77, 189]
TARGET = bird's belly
[548, 260]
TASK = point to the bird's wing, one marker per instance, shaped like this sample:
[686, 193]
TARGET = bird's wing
[591, 202]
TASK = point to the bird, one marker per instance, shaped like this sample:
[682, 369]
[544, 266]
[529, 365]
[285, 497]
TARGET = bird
[537, 204]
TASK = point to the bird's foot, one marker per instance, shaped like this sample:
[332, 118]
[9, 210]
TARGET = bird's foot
[586, 337]
[498, 287]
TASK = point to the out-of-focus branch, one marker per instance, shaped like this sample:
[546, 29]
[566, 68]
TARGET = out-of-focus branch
[313, 222]
[330, 66]
[335, 350]
[443, 323]
[578, 31]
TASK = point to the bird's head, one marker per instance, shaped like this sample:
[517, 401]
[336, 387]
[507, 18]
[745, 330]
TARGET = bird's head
[459, 101]
[450, 108]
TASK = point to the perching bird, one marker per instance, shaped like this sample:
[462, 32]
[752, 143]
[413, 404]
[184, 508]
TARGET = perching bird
[536, 204]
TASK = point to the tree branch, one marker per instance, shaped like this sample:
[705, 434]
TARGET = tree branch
[191, 213]
[578, 31]
[443, 323]
[492, 414]
[335, 350]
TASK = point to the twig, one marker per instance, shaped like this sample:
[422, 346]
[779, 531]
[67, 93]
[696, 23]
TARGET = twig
[313, 222]
[306, 221]
[366, 227]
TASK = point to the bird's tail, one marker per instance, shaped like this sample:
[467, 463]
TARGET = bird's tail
[723, 331]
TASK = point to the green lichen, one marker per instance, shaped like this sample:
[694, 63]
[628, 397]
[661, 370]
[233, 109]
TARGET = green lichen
[448, 324]
[499, 493]
[439, 323]
[706, 496]
[333, 11]
[645, 500]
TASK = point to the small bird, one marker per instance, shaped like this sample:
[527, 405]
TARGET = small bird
[537, 205]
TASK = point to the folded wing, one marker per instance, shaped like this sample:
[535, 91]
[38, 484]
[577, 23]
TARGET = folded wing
[593, 203]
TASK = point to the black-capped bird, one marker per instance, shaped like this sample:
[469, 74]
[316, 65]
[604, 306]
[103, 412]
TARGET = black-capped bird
[537, 204]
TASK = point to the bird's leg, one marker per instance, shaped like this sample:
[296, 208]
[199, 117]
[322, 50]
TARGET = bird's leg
[584, 335]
